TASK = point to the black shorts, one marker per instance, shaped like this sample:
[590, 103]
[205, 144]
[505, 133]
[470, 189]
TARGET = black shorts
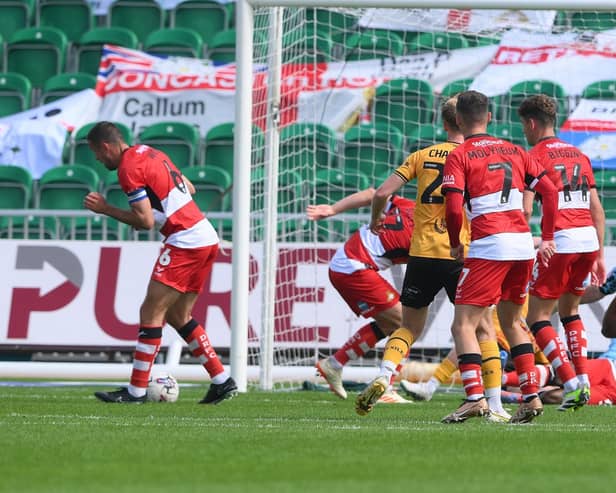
[425, 277]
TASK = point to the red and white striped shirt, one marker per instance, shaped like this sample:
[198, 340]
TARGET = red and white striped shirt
[365, 250]
[492, 173]
[571, 172]
[145, 172]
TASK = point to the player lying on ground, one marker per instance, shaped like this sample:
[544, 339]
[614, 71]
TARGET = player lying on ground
[424, 391]
[601, 374]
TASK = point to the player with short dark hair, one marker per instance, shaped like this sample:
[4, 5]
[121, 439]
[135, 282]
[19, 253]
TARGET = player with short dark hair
[430, 267]
[489, 175]
[158, 195]
[579, 230]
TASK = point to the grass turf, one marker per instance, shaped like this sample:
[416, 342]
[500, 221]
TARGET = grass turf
[63, 440]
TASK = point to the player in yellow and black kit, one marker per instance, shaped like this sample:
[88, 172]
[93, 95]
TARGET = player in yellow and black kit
[431, 266]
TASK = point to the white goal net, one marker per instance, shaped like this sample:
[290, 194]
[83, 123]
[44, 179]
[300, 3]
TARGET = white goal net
[340, 96]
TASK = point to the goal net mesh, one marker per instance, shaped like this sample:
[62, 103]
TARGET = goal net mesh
[360, 89]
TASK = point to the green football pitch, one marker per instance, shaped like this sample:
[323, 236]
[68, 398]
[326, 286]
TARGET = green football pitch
[63, 440]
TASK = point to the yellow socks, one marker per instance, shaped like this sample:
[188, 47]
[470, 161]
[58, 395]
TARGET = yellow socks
[491, 373]
[396, 349]
[490, 364]
[445, 370]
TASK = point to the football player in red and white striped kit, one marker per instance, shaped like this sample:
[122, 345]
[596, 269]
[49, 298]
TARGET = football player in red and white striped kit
[578, 235]
[490, 175]
[354, 272]
[158, 195]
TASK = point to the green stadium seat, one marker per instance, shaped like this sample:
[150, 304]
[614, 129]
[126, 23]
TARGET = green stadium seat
[113, 191]
[31, 227]
[510, 102]
[373, 43]
[307, 147]
[140, 16]
[404, 103]
[332, 24]
[230, 7]
[291, 200]
[307, 46]
[454, 87]
[206, 17]
[16, 190]
[481, 40]
[179, 41]
[106, 227]
[212, 185]
[218, 146]
[98, 167]
[73, 17]
[64, 187]
[605, 178]
[221, 48]
[511, 131]
[331, 19]
[180, 141]
[38, 53]
[370, 150]
[562, 22]
[15, 15]
[602, 89]
[15, 193]
[90, 46]
[15, 93]
[593, 21]
[98, 228]
[290, 190]
[437, 41]
[606, 188]
[62, 85]
[425, 136]
[79, 152]
[331, 186]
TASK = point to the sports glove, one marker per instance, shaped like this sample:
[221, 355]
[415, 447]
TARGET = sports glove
[609, 286]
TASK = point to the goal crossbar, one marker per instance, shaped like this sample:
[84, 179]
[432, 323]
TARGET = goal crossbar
[440, 4]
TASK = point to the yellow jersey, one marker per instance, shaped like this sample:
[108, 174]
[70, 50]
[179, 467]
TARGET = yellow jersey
[430, 237]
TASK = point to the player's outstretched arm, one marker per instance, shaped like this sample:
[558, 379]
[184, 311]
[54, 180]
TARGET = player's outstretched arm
[353, 201]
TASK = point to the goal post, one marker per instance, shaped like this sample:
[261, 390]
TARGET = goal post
[298, 142]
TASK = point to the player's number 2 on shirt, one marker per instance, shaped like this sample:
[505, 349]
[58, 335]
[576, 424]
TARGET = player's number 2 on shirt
[507, 179]
[428, 196]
